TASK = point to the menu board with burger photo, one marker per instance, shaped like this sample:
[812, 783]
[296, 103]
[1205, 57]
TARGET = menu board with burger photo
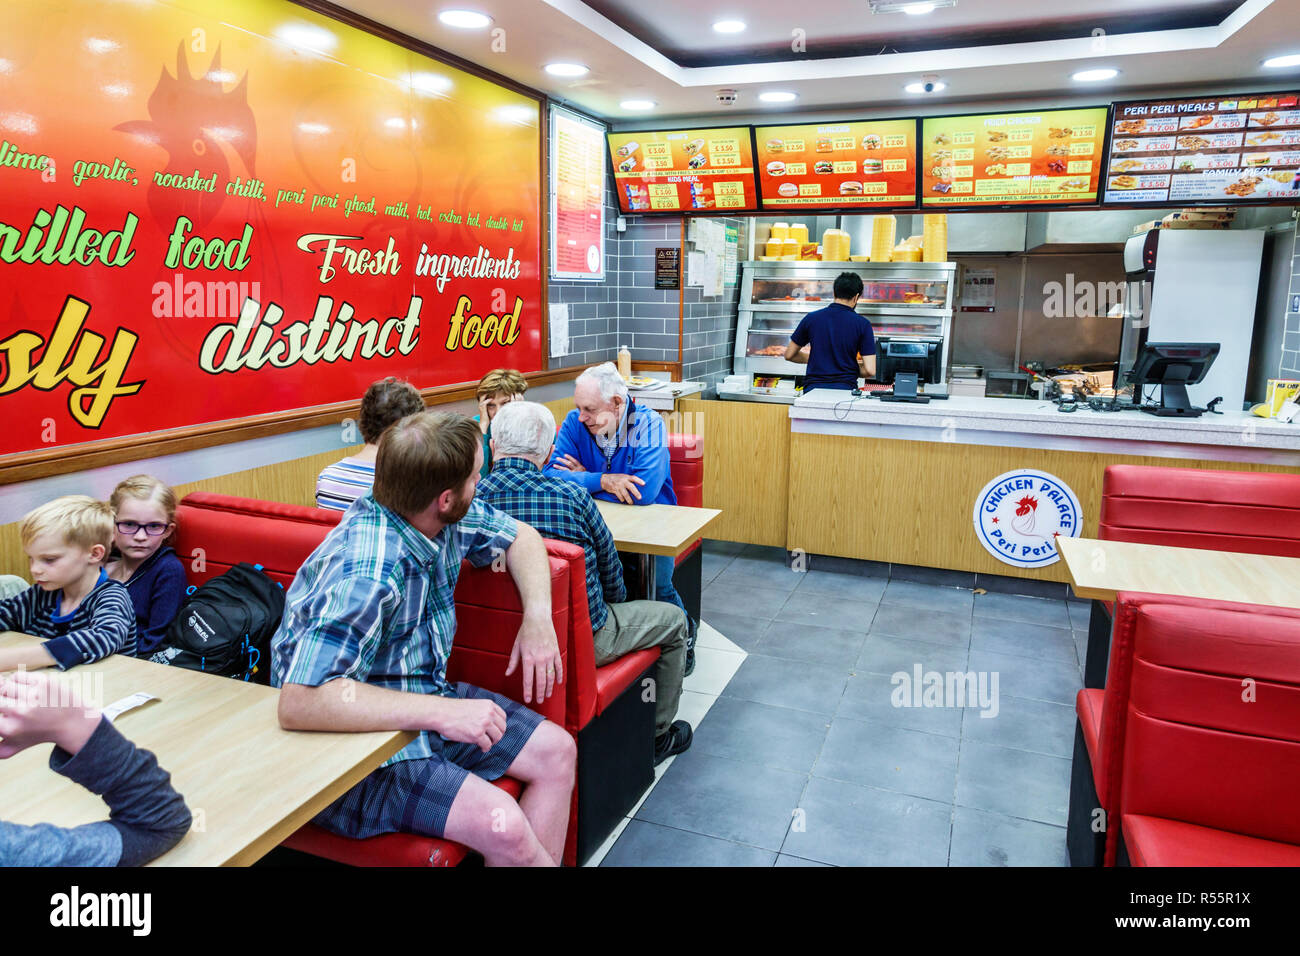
[868, 164]
[695, 170]
[1205, 150]
[1043, 157]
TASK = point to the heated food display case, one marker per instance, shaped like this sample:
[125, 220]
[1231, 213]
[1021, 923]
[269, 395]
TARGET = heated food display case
[911, 301]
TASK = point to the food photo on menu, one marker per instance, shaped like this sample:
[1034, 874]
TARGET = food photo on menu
[1207, 150]
[1051, 157]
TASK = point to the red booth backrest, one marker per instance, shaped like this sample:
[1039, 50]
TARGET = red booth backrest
[1249, 512]
[1196, 748]
[686, 465]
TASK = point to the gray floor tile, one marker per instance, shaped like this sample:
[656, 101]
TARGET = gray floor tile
[741, 630]
[882, 654]
[1023, 724]
[750, 602]
[872, 697]
[932, 597]
[992, 839]
[711, 565]
[816, 688]
[759, 733]
[937, 576]
[920, 624]
[1080, 613]
[844, 825]
[1014, 607]
[1081, 648]
[1017, 783]
[784, 859]
[728, 799]
[1050, 680]
[810, 609]
[1026, 640]
[817, 645]
[834, 584]
[870, 753]
[749, 573]
[649, 844]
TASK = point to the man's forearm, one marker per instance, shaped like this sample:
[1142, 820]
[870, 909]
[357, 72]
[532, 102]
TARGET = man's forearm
[531, 570]
[350, 706]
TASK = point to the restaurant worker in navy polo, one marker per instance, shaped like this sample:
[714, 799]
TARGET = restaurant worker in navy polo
[843, 345]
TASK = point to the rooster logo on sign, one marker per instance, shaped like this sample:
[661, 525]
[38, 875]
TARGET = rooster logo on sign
[1026, 517]
[193, 118]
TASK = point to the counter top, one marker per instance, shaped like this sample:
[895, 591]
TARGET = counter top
[1232, 436]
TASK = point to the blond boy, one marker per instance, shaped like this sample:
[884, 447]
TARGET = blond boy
[80, 613]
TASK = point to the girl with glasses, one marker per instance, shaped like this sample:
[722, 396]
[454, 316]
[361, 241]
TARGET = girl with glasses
[145, 523]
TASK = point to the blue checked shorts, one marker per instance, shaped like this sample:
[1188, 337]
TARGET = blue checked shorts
[415, 796]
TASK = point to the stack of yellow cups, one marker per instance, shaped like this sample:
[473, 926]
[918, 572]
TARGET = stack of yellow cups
[835, 245]
[882, 238]
[934, 238]
[780, 230]
[799, 232]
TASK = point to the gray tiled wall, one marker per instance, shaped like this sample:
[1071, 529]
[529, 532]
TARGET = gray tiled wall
[1291, 339]
[626, 308]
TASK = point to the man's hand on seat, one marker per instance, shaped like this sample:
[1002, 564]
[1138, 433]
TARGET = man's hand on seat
[622, 487]
[538, 649]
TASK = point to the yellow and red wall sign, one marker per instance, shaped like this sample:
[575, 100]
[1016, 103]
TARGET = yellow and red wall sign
[211, 210]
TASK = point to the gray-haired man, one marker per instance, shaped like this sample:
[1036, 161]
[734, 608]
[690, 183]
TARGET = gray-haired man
[523, 434]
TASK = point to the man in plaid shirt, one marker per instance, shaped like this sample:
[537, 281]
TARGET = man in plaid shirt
[523, 434]
[363, 645]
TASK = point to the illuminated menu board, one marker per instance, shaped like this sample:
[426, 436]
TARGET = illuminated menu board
[868, 164]
[1044, 157]
[1205, 150]
[695, 170]
[577, 197]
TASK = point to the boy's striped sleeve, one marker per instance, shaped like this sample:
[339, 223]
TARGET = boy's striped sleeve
[105, 625]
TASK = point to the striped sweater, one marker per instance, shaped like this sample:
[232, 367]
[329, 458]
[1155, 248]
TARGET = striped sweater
[102, 624]
[344, 482]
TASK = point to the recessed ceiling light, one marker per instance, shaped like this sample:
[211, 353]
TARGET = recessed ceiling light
[566, 69]
[917, 9]
[933, 86]
[637, 105]
[907, 6]
[307, 37]
[464, 19]
[1095, 76]
[778, 96]
[729, 26]
[1281, 62]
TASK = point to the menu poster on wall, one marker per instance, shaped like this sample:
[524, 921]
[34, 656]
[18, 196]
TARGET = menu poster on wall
[577, 196]
[1047, 158]
[204, 217]
[697, 170]
[1206, 150]
[979, 290]
[842, 165]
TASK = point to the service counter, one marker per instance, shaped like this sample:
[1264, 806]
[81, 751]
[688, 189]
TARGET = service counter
[897, 482]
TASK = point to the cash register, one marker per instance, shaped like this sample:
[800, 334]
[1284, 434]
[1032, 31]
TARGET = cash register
[907, 365]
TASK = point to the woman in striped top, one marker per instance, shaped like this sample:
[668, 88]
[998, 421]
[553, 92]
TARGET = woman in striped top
[345, 481]
[81, 614]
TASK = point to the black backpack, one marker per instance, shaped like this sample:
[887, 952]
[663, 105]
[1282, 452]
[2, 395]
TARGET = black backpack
[225, 626]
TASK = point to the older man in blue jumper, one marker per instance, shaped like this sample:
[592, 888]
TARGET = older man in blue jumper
[619, 452]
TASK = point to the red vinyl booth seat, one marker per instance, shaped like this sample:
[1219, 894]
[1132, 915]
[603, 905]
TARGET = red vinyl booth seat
[1103, 716]
[1210, 777]
[686, 465]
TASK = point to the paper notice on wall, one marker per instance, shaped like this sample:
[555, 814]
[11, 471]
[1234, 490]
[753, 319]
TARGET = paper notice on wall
[979, 290]
[694, 268]
[559, 316]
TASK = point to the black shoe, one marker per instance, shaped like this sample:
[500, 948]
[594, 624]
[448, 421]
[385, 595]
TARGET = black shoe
[690, 652]
[674, 740]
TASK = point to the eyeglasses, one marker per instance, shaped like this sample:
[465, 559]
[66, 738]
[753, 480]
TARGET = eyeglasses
[153, 528]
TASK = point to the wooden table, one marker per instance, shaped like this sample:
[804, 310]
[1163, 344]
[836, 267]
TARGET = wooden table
[650, 530]
[1101, 569]
[248, 783]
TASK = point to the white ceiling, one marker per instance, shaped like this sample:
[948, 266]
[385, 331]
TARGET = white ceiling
[1226, 55]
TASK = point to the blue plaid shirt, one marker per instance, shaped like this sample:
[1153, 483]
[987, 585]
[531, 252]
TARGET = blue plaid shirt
[375, 603]
[564, 510]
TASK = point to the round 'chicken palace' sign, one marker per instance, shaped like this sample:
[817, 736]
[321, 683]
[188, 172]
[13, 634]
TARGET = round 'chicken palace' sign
[1019, 516]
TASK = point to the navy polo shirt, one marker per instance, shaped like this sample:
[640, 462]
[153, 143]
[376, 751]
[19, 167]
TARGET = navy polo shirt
[838, 336]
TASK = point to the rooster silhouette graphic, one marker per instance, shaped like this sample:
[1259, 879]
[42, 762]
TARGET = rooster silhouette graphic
[1026, 517]
[193, 118]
